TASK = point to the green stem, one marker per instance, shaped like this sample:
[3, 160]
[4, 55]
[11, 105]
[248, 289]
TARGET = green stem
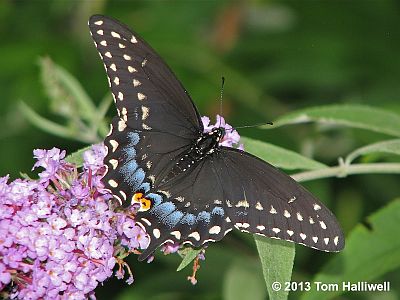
[343, 170]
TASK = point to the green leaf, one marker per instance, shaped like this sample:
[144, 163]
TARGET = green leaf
[55, 128]
[68, 96]
[44, 124]
[280, 157]
[76, 158]
[391, 147]
[244, 280]
[277, 262]
[25, 176]
[357, 116]
[369, 253]
[190, 255]
[68, 99]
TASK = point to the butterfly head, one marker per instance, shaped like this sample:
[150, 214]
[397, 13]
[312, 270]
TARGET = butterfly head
[222, 133]
[209, 141]
[217, 133]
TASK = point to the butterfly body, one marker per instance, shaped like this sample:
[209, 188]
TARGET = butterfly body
[191, 188]
[205, 145]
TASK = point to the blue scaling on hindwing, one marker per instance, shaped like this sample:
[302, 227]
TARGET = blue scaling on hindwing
[204, 216]
[166, 212]
[133, 138]
[129, 150]
[129, 170]
[130, 153]
[188, 219]
[129, 167]
[157, 199]
[163, 209]
[132, 175]
[145, 187]
[218, 211]
[172, 219]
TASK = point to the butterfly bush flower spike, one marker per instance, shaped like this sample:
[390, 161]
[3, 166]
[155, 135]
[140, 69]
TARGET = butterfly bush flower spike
[231, 138]
[60, 235]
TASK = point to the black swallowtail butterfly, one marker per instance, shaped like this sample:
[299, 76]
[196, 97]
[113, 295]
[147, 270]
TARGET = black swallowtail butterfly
[191, 189]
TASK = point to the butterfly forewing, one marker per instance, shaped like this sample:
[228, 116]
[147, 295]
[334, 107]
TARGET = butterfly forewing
[151, 103]
[142, 85]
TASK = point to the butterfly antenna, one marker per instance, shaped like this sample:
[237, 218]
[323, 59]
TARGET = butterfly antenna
[220, 98]
[255, 125]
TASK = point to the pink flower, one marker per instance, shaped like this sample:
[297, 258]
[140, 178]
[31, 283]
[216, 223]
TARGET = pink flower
[50, 160]
[231, 138]
[168, 248]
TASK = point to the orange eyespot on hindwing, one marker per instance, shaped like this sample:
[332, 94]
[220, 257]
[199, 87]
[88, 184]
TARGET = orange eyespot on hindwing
[145, 204]
[136, 197]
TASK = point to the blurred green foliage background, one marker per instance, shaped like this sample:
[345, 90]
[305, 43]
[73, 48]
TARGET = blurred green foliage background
[277, 56]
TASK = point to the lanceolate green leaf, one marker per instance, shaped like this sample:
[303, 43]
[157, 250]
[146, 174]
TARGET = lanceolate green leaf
[66, 93]
[392, 147]
[190, 255]
[280, 157]
[44, 124]
[369, 253]
[277, 262]
[357, 116]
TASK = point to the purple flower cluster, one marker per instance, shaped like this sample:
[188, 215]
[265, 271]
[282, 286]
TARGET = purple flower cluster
[231, 137]
[60, 236]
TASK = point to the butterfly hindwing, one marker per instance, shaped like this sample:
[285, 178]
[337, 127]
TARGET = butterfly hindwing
[247, 193]
[252, 196]
[273, 204]
[191, 211]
